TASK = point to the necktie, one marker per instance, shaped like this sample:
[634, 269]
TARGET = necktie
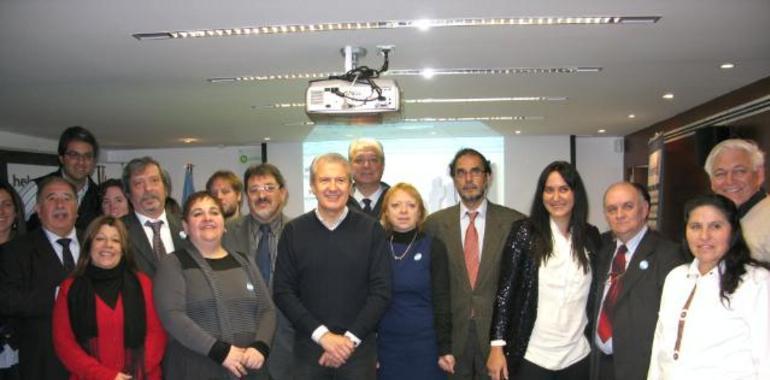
[263, 253]
[471, 249]
[605, 317]
[157, 243]
[67, 258]
[367, 205]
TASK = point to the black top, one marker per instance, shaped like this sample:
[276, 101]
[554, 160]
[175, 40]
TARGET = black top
[339, 278]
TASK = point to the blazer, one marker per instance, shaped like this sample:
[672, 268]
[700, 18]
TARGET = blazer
[444, 225]
[237, 239]
[636, 308]
[30, 273]
[141, 247]
[376, 208]
[515, 309]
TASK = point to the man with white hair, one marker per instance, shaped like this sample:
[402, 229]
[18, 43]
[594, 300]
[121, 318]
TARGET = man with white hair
[736, 168]
[367, 162]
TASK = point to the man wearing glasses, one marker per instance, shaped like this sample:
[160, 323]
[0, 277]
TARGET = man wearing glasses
[78, 151]
[474, 233]
[256, 234]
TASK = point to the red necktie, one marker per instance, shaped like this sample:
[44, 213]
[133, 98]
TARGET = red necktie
[608, 307]
[471, 249]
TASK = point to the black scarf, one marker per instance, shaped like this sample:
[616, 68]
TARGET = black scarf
[108, 284]
[751, 202]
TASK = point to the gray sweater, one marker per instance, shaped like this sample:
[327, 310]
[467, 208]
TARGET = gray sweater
[201, 307]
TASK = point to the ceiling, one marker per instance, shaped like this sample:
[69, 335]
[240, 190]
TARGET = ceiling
[75, 62]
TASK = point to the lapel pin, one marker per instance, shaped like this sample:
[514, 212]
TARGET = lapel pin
[249, 286]
[418, 256]
[643, 265]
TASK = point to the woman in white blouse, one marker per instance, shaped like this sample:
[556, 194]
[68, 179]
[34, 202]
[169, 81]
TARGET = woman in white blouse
[714, 312]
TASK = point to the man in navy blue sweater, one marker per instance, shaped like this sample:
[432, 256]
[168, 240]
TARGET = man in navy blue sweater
[332, 279]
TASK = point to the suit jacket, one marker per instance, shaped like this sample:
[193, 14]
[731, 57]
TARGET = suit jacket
[141, 247]
[376, 208]
[237, 239]
[636, 308]
[30, 273]
[445, 226]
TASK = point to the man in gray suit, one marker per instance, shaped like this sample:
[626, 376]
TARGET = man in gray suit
[631, 269]
[474, 233]
[256, 235]
[151, 231]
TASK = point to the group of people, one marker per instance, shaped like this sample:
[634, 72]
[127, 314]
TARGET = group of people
[114, 282]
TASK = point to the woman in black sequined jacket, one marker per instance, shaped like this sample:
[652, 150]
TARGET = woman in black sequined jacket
[560, 202]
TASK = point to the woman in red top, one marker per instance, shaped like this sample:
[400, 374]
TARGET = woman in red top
[104, 320]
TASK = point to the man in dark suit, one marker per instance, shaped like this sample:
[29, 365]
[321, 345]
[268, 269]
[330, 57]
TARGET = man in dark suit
[31, 269]
[256, 234]
[631, 269]
[474, 233]
[78, 151]
[367, 163]
[152, 231]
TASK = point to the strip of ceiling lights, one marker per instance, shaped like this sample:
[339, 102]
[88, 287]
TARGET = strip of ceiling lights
[422, 24]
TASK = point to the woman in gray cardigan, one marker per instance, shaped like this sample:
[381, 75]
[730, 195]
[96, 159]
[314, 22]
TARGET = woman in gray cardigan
[213, 303]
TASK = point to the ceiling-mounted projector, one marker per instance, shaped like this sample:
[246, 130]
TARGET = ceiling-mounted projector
[358, 96]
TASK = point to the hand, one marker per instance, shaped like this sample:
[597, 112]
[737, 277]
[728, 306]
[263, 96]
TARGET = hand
[338, 346]
[233, 362]
[252, 358]
[122, 376]
[326, 360]
[447, 363]
[496, 364]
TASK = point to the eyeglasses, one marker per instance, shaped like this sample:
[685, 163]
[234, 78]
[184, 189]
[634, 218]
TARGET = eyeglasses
[268, 188]
[475, 173]
[73, 155]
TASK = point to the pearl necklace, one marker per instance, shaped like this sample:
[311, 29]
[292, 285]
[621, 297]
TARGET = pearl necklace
[393, 252]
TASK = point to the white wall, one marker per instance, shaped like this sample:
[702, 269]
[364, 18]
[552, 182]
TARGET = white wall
[600, 165]
[15, 141]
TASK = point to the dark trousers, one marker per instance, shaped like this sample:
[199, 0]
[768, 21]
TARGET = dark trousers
[471, 365]
[606, 367]
[362, 365]
[532, 371]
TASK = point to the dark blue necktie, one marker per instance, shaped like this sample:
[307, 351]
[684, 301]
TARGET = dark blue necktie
[367, 205]
[263, 253]
[67, 259]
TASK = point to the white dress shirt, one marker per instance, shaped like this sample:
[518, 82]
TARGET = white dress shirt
[719, 341]
[480, 222]
[165, 231]
[74, 244]
[558, 338]
[631, 246]
[359, 197]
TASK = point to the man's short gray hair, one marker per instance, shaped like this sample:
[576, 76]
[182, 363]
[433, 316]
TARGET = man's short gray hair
[329, 157]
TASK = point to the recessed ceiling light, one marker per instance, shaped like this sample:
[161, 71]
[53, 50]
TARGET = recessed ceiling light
[631, 116]
[668, 96]
[414, 72]
[422, 24]
[518, 132]
[727, 66]
[267, 138]
[188, 140]
[602, 131]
